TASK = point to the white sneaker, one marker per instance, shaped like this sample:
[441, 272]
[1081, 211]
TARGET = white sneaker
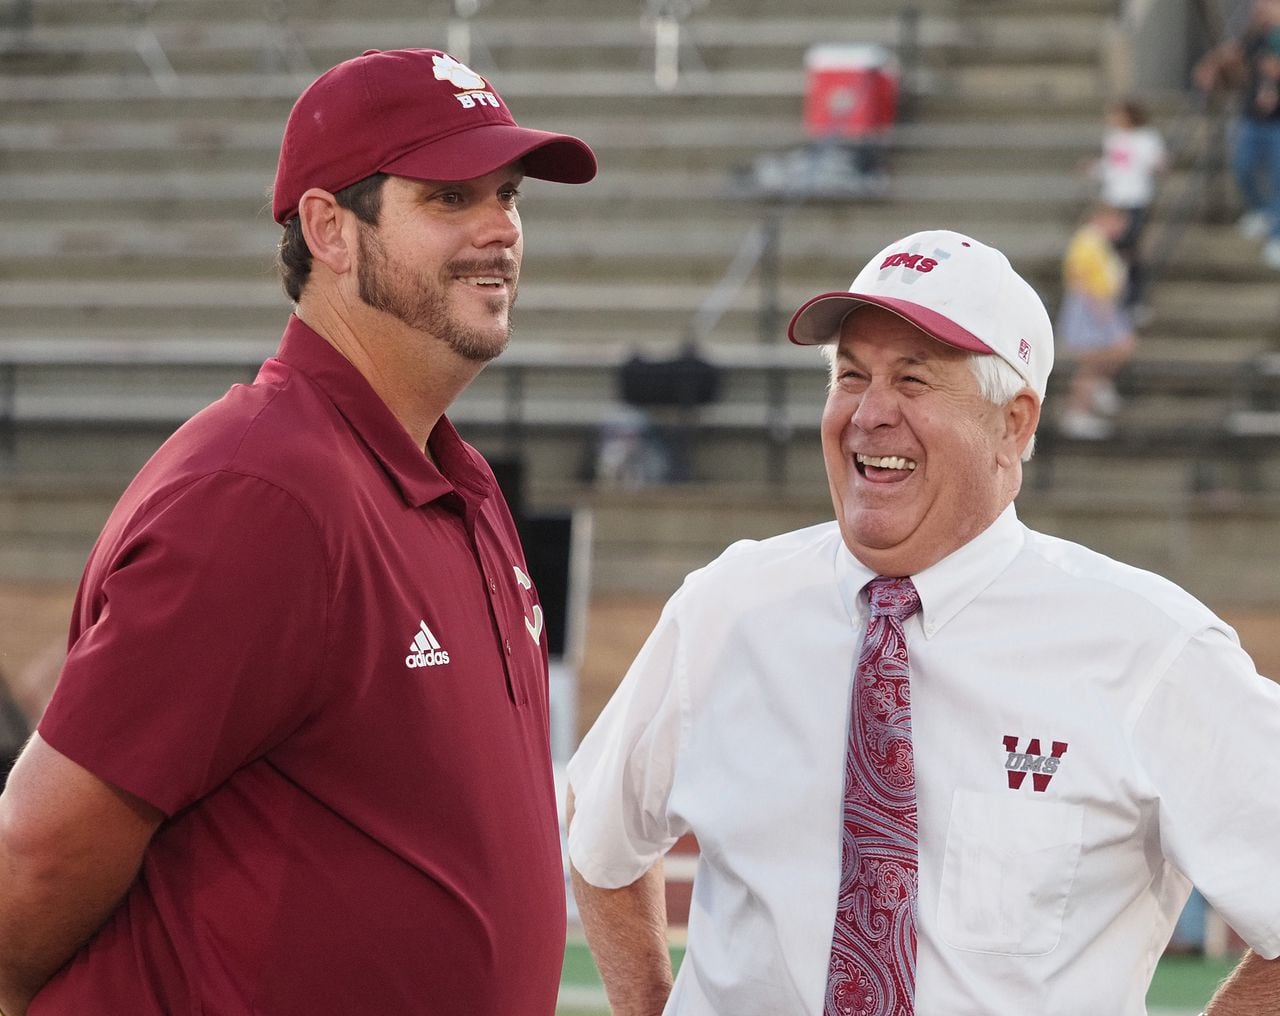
[1271, 253]
[1078, 423]
[1254, 225]
[1106, 400]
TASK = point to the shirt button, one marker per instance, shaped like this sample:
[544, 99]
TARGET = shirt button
[507, 643]
[493, 586]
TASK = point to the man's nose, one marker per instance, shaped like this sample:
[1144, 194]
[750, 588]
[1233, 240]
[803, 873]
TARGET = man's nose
[498, 225]
[877, 406]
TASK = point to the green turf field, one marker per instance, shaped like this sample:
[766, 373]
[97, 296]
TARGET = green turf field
[1181, 987]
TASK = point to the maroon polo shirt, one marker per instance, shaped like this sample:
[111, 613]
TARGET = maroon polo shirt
[320, 656]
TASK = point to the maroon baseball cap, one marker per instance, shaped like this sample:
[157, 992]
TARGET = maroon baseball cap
[410, 112]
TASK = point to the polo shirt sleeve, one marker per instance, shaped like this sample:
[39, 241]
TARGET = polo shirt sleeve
[200, 644]
[623, 772]
[1208, 738]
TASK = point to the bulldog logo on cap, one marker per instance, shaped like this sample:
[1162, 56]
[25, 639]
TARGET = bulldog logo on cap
[475, 91]
[450, 69]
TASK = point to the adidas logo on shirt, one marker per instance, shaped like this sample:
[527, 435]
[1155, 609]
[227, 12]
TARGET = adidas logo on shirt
[424, 650]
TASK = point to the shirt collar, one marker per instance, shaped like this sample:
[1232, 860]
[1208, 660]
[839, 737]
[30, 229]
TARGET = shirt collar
[951, 584]
[419, 480]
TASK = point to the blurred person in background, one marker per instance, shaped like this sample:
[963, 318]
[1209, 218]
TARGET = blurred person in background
[297, 760]
[1251, 66]
[936, 762]
[1133, 158]
[1094, 330]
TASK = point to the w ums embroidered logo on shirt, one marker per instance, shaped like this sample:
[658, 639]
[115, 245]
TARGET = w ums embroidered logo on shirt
[1041, 767]
[424, 650]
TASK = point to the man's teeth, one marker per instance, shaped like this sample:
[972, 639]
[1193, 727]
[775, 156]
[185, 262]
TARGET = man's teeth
[886, 461]
[482, 280]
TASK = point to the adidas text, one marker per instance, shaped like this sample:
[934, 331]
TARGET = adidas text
[431, 658]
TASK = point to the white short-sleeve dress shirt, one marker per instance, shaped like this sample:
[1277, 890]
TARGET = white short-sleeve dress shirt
[1089, 740]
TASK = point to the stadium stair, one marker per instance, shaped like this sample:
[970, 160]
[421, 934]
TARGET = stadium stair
[134, 187]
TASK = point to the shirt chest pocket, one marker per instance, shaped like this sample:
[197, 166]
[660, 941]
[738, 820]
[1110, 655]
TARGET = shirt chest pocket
[1007, 872]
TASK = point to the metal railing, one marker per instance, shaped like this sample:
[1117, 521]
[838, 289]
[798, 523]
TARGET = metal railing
[282, 47]
[460, 41]
[667, 17]
[147, 45]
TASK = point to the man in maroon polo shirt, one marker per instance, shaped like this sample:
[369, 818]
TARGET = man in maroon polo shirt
[297, 760]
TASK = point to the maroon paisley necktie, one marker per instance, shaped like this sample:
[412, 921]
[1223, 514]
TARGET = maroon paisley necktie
[873, 946]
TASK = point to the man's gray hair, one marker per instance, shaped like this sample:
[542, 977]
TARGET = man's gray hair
[998, 382]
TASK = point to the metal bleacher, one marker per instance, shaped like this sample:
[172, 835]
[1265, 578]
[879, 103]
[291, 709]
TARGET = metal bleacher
[137, 149]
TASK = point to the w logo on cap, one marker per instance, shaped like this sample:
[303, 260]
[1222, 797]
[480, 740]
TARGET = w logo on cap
[458, 74]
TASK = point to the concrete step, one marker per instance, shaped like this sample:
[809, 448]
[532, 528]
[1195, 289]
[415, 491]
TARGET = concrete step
[988, 89]
[62, 379]
[1026, 31]
[500, 44]
[1225, 551]
[720, 152]
[161, 380]
[188, 140]
[777, 94]
[679, 287]
[997, 104]
[821, 246]
[685, 528]
[38, 557]
[560, 295]
[1219, 307]
[1011, 185]
[197, 12]
[972, 10]
[55, 507]
[998, 81]
[1219, 546]
[97, 458]
[622, 83]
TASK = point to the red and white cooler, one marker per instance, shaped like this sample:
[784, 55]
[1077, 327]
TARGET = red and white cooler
[851, 91]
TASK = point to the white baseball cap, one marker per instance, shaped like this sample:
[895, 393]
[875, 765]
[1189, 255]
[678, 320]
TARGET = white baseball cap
[952, 288]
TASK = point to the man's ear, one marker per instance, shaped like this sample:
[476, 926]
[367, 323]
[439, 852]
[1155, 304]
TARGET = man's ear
[1021, 417]
[328, 229]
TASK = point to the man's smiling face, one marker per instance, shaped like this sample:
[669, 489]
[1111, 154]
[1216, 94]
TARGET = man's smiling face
[444, 259]
[918, 461]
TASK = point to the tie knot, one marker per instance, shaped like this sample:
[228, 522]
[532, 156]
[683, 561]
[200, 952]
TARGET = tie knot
[894, 597]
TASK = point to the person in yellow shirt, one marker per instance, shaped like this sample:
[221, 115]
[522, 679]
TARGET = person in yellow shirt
[1094, 330]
